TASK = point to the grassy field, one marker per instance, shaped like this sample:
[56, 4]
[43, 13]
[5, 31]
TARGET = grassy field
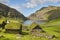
[51, 28]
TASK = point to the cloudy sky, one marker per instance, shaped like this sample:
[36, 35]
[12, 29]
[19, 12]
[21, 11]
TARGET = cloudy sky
[29, 6]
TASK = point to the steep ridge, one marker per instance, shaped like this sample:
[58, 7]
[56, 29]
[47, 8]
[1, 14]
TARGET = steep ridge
[7, 11]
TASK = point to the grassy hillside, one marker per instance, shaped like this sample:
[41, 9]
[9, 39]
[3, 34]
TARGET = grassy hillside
[46, 13]
[53, 28]
[9, 12]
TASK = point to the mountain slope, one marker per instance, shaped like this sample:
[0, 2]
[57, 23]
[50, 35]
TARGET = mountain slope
[46, 13]
[6, 11]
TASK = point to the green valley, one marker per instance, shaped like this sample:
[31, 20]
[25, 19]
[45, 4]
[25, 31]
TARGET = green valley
[12, 24]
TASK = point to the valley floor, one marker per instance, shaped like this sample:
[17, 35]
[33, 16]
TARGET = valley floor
[52, 32]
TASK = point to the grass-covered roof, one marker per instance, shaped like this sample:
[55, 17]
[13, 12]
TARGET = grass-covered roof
[33, 25]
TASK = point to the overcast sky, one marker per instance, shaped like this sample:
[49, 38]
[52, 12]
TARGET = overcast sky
[29, 6]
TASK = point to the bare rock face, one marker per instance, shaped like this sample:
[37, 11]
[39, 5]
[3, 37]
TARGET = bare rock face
[6, 11]
[46, 13]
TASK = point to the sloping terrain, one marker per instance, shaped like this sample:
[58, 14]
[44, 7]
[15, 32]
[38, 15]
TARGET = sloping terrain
[46, 13]
[51, 28]
[9, 12]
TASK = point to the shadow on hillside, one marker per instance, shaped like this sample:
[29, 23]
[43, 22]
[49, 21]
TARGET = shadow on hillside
[24, 33]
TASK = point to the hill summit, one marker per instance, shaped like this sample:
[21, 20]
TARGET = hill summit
[46, 13]
[7, 11]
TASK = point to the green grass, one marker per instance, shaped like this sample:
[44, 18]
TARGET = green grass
[13, 26]
[21, 37]
[52, 28]
[13, 23]
[2, 19]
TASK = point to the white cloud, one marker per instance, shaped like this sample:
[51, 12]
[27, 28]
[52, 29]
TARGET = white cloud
[29, 3]
[34, 3]
[4, 1]
[54, 1]
[17, 7]
[7, 3]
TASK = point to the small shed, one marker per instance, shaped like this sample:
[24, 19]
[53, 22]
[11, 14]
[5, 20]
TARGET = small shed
[13, 28]
[13, 31]
[35, 28]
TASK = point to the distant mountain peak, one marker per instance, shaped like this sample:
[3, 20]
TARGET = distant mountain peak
[46, 13]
